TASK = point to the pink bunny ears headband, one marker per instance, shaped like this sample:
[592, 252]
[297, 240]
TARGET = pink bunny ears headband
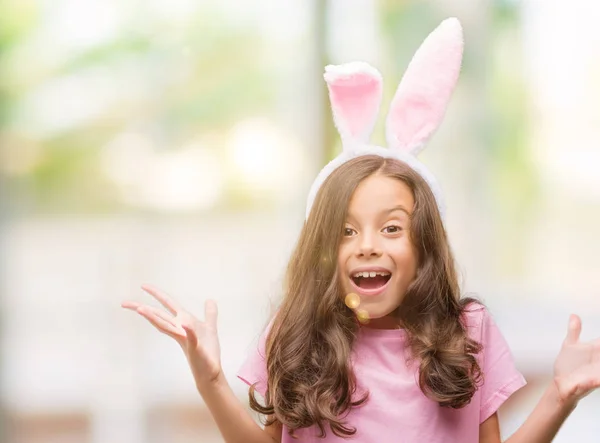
[417, 109]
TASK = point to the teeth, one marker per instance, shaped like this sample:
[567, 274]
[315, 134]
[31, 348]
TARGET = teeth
[367, 274]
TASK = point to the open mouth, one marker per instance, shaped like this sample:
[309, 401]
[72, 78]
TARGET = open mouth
[371, 280]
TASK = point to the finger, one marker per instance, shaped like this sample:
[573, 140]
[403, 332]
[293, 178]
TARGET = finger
[163, 298]
[134, 306]
[574, 330]
[596, 350]
[211, 312]
[130, 305]
[192, 338]
[162, 315]
[159, 323]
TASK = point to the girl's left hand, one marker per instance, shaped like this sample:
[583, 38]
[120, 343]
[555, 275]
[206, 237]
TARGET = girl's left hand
[577, 367]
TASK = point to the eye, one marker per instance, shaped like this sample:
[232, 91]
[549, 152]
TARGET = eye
[393, 229]
[349, 232]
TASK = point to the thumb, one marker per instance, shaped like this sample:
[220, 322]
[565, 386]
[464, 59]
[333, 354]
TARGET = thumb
[192, 338]
[211, 312]
[574, 330]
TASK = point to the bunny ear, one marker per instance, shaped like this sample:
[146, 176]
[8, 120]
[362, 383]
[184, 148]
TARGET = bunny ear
[420, 101]
[355, 93]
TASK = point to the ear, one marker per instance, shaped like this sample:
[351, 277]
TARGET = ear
[420, 102]
[355, 93]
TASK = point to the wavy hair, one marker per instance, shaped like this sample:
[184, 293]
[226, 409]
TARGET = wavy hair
[308, 349]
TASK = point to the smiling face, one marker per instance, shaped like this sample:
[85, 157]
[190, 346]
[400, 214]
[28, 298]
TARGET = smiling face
[376, 258]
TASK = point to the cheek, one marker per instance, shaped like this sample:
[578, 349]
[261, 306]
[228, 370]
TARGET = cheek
[341, 275]
[343, 255]
[341, 266]
[403, 251]
[406, 259]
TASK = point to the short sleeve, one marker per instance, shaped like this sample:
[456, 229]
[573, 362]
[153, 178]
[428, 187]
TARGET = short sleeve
[500, 376]
[254, 368]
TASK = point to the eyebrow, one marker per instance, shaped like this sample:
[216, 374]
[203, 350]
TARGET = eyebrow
[396, 208]
[389, 211]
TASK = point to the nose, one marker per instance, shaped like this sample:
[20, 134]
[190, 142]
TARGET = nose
[368, 246]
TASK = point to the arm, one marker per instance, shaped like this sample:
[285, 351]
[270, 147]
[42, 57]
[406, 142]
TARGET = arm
[576, 374]
[489, 430]
[543, 423]
[200, 344]
[275, 431]
[541, 426]
[232, 419]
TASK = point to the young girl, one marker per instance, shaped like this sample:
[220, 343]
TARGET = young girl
[373, 342]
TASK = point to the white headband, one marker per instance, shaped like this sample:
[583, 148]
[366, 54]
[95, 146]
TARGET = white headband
[417, 109]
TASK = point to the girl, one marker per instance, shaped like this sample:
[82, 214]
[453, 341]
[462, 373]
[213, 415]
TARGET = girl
[372, 342]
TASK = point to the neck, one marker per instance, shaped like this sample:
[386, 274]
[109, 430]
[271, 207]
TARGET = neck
[385, 322]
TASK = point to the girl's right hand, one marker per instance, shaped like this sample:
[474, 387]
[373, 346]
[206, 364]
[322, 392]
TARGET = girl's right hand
[198, 339]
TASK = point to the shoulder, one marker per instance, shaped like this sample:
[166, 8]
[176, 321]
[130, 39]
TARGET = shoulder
[474, 313]
[481, 326]
[476, 317]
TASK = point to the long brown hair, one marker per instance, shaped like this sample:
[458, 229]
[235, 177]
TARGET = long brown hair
[310, 379]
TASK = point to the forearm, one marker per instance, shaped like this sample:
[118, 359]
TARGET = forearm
[233, 420]
[545, 420]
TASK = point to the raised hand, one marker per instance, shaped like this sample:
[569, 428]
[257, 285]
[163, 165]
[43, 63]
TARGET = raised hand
[198, 339]
[577, 367]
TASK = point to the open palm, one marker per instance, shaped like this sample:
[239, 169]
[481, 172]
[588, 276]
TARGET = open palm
[577, 367]
[198, 339]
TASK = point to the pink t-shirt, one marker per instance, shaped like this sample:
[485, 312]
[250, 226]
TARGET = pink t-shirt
[397, 411]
